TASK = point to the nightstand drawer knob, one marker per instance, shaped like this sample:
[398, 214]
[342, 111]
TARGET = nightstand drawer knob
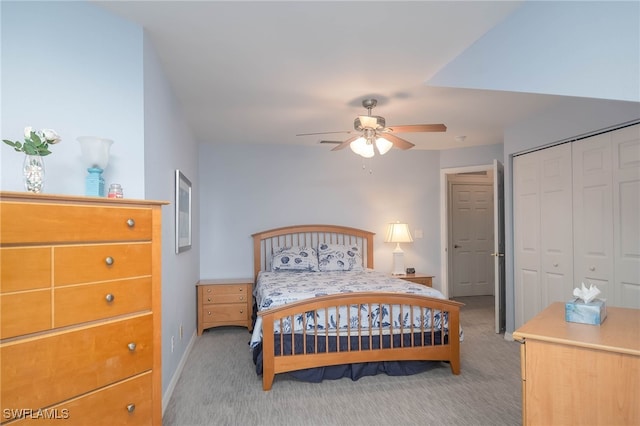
[132, 346]
[242, 311]
[208, 312]
[109, 260]
[241, 297]
[208, 290]
[109, 297]
[208, 299]
[131, 223]
[131, 408]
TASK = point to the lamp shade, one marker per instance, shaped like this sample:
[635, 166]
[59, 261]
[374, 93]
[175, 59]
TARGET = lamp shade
[95, 151]
[361, 147]
[383, 145]
[398, 233]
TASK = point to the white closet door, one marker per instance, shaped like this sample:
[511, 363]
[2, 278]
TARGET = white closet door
[556, 224]
[626, 213]
[526, 212]
[593, 213]
[543, 234]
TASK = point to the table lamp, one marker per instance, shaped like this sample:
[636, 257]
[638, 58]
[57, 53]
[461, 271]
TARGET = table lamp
[398, 233]
[95, 155]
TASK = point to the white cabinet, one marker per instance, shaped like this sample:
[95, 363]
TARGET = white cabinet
[577, 218]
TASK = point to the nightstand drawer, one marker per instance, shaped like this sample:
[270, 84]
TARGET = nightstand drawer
[224, 312]
[422, 279]
[224, 294]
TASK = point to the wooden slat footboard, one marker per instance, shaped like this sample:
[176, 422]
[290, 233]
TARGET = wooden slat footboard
[358, 342]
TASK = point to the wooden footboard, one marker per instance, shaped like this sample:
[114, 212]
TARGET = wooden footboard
[312, 346]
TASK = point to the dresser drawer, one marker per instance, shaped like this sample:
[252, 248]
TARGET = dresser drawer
[24, 313]
[24, 268]
[232, 312]
[224, 293]
[26, 223]
[125, 403]
[39, 372]
[83, 264]
[77, 304]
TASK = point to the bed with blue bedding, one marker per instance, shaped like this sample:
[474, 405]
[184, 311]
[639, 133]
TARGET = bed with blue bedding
[322, 312]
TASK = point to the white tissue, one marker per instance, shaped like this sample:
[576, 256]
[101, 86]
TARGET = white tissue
[586, 294]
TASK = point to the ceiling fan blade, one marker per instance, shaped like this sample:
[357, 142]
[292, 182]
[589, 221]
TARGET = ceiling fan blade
[345, 143]
[417, 128]
[323, 133]
[397, 142]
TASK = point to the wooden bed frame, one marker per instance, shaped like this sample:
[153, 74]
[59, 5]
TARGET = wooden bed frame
[264, 244]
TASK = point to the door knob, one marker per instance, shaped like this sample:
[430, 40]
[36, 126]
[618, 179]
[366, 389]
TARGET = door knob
[456, 246]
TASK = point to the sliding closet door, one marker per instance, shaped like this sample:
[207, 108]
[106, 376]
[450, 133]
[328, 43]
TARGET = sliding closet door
[626, 213]
[543, 234]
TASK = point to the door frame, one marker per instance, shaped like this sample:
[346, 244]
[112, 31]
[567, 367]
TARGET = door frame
[444, 223]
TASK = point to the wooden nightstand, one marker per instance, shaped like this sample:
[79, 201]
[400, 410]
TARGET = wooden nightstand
[224, 302]
[417, 278]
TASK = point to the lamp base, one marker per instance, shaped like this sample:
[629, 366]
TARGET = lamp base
[398, 263]
[94, 183]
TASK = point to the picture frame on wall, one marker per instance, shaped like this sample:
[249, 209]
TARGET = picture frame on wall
[183, 212]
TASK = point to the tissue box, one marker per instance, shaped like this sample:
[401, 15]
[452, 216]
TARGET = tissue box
[592, 313]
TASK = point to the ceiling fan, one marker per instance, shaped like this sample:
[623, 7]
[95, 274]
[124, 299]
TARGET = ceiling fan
[371, 132]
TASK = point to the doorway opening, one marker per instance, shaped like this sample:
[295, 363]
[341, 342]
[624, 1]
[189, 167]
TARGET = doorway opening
[472, 234]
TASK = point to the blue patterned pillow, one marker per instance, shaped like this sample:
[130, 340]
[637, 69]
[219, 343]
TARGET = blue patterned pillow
[339, 257]
[295, 259]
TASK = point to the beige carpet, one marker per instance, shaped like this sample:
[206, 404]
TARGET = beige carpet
[218, 386]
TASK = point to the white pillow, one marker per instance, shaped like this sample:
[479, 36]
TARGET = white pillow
[295, 258]
[339, 257]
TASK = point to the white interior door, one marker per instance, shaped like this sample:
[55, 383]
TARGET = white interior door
[498, 245]
[472, 239]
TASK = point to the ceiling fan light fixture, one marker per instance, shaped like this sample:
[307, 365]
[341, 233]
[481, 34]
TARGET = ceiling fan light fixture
[361, 147]
[369, 122]
[383, 145]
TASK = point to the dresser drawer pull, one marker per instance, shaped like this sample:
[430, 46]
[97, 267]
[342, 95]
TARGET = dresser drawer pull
[242, 311]
[131, 408]
[109, 297]
[131, 223]
[208, 299]
[208, 312]
[208, 290]
[132, 346]
[109, 260]
[241, 297]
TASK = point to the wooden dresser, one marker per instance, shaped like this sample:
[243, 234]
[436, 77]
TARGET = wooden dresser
[224, 302]
[578, 373]
[80, 310]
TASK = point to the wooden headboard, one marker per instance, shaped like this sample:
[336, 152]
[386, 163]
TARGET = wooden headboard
[265, 242]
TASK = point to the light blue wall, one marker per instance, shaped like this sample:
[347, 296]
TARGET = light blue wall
[572, 48]
[74, 68]
[249, 188]
[473, 156]
[169, 145]
[94, 73]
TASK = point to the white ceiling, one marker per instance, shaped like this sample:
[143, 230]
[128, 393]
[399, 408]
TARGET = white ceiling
[262, 72]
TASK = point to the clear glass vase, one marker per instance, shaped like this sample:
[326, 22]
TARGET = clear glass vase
[33, 170]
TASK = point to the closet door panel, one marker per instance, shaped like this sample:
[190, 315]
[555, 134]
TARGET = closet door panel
[593, 213]
[626, 211]
[526, 237]
[556, 224]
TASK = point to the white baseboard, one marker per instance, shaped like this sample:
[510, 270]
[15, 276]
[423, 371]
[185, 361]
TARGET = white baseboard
[174, 380]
